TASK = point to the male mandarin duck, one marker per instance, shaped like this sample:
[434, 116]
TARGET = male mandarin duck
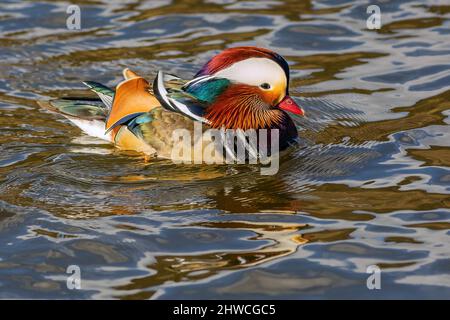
[240, 88]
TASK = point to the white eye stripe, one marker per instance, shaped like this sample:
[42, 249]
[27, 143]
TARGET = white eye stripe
[255, 72]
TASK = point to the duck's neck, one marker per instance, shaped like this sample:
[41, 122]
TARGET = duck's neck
[241, 107]
[287, 130]
[244, 118]
[264, 119]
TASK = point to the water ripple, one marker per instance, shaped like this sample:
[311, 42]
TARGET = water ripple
[369, 183]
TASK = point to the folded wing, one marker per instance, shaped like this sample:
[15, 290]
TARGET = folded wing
[132, 98]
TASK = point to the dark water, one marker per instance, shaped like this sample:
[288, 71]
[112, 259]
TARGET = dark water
[370, 185]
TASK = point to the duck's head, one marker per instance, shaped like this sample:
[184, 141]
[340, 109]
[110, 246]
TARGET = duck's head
[242, 88]
[257, 91]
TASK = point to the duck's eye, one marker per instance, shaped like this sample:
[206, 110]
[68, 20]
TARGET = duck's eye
[265, 86]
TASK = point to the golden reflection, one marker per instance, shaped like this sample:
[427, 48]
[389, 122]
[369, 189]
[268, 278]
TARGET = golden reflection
[438, 225]
[291, 9]
[52, 234]
[333, 201]
[188, 48]
[428, 111]
[419, 23]
[343, 202]
[439, 9]
[435, 156]
[189, 173]
[283, 238]
[329, 235]
[329, 66]
[394, 265]
[399, 239]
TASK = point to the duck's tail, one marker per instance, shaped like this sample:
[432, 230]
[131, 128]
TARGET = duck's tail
[89, 115]
[104, 117]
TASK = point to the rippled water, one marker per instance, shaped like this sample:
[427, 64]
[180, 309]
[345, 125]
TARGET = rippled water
[370, 185]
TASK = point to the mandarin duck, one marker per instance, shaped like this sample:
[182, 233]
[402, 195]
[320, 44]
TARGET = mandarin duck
[240, 88]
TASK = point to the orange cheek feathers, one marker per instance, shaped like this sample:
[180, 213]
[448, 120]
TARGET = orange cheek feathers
[274, 96]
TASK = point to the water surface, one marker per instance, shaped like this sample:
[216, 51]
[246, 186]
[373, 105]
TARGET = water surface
[369, 185]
